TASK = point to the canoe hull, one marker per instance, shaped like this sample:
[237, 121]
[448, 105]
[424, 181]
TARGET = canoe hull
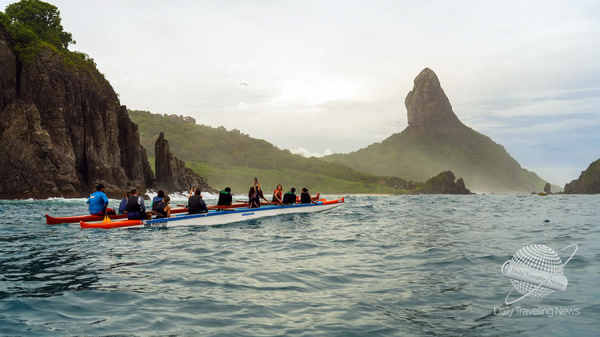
[213, 218]
[50, 220]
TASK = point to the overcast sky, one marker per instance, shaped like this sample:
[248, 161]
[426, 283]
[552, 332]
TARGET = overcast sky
[331, 76]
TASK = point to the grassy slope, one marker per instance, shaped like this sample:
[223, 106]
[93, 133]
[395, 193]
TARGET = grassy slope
[484, 165]
[230, 158]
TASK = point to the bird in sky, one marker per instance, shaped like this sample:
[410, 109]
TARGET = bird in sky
[243, 84]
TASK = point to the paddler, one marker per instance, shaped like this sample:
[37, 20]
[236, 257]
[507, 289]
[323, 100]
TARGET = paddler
[225, 198]
[163, 209]
[136, 209]
[123, 204]
[289, 198]
[158, 198]
[305, 197]
[255, 194]
[98, 202]
[278, 194]
[196, 204]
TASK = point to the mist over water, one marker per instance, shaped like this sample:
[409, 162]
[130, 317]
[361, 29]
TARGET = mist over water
[375, 266]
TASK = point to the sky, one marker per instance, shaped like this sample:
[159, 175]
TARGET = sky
[325, 77]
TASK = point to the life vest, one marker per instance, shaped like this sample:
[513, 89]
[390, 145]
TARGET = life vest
[160, 209]
[133, 204]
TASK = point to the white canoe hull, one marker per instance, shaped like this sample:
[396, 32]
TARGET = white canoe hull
[213, 218]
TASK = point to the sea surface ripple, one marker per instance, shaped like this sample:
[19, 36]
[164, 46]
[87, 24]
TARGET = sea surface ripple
[375, 266]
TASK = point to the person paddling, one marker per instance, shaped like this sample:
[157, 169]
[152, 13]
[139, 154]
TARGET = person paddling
[278, 194]
[196, 204]
[255, 194]
[163, 209]
[123, 205]
[225, 198]
[136, 209]
[158, 198]
[289, 198]
[305, 197]
[98, 202]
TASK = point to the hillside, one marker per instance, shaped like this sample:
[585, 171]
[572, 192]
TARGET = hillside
[231, 158]
[436, 140]
[588, 182]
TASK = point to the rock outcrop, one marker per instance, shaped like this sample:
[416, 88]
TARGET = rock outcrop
[63, 130]
[435, 141]
[588, 182]
[171, 173]
[443, 183]
[428, 107]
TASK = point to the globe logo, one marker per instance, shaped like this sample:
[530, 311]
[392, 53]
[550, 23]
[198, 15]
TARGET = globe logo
[536, 271]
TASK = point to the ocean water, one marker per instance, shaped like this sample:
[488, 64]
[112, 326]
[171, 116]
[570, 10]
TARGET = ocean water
[375, 266]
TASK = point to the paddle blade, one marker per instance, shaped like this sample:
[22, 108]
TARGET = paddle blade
[106, 219]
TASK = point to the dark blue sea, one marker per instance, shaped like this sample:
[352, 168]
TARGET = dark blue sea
[375, 266]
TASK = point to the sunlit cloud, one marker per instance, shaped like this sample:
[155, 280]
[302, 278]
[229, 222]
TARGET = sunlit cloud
[307, 153]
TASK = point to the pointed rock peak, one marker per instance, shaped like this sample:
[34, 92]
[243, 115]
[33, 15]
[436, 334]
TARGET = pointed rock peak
[429, 109]
[171, 173]
[427, 76]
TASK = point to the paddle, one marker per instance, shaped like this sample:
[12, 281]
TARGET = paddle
[106, 217]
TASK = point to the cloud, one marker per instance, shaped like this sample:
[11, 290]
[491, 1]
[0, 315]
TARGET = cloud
[307, 153]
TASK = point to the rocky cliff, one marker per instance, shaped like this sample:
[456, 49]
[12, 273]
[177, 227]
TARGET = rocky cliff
[63, 130]
[436, 141]
[588, 182]
[171, 173]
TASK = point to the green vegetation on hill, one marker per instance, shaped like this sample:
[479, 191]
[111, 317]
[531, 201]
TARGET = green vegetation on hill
[484, 165]
[231, 158]
[33, 25]
[588, 182]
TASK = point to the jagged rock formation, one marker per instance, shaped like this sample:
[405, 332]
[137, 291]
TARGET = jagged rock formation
[443, 183]
[171, 173]
[63, 130]
[588, 182]
[435, 141]
[428, 107]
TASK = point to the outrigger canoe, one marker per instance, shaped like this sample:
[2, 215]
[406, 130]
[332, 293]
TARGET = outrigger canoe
[51, 220]
[218, 217]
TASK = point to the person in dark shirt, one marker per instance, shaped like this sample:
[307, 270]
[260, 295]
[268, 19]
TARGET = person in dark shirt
[158, 198]
[255, 194]
[260, 192]
[136, 209]
[196, 204]
[253, 198]
[225, 198]
[289, 198]
[163, 209]
[305, 196]
[123, 205]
